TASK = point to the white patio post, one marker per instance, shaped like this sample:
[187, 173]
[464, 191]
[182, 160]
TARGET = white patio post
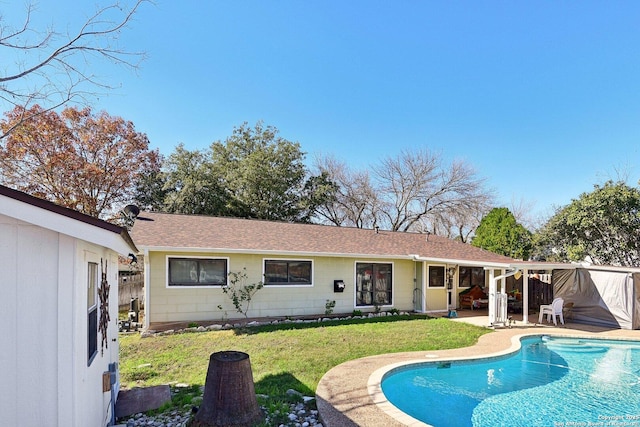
[525, 296]
[147, 290]
[492, 297]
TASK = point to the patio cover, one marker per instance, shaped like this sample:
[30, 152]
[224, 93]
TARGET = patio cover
[600, 297]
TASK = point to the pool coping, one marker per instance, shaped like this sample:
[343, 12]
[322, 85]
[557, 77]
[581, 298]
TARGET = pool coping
[349, 395]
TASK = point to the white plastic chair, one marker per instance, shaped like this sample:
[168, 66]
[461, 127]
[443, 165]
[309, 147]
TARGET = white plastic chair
[553, 310]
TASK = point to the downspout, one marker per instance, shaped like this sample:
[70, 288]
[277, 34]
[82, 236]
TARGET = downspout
[147, 275]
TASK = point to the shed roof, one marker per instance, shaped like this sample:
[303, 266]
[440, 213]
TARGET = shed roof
[175, 232]
[69, 216]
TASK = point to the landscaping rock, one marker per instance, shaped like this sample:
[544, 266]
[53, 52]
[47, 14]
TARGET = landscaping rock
[139, 400]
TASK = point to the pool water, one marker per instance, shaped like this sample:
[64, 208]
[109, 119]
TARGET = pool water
[549, 382]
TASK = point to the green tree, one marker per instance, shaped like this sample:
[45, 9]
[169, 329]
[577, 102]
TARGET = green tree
[602, 226]
[254, 173]
[318, 190]
[264, 172]
[190, 187]
[150, 192]
[499, 232]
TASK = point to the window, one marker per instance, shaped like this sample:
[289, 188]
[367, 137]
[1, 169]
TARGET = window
[373, 284]
[197, 272]
[92, 311]
[287, 272]
[436, 276]
[471, 276]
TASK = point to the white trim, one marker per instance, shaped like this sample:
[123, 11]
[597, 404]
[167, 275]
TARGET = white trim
[63, 224]
[89, 259]
[424, 287]
[258, 251]
[301, 285]
[168, 286]
[147, 289]
[355, 283]
[95, 285]
[460, 262]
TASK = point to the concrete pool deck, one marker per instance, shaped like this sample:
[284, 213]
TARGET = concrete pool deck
[349, 394]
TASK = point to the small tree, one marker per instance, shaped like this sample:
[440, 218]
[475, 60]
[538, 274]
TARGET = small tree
[239, 292]
[499, 232]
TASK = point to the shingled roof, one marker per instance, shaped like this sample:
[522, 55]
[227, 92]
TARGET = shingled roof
[159, 231]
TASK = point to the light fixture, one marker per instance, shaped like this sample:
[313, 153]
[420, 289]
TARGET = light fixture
[133, 260]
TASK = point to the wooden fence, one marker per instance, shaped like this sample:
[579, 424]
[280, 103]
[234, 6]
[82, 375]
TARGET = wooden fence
[540, 289]
[539, 293]
[130, 286]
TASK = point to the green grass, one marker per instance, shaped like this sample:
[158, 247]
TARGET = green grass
[286, 356]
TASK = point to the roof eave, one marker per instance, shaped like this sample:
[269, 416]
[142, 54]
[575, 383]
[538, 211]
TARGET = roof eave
[412, 257]
[461, 262]
[143, 248]
[42, 213]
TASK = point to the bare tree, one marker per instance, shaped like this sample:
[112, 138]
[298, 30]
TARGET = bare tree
[416, 186]
[411, 192]
[355, 203]
[521, 210]
[49, 68]
[460, 222]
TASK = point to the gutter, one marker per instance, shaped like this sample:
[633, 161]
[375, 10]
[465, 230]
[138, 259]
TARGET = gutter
[460, 262]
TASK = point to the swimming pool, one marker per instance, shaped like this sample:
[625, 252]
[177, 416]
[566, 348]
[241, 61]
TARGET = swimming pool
[549, 382]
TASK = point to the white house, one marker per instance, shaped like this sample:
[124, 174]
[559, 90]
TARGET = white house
[58, 313]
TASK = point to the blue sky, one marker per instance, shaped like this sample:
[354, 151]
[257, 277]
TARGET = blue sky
[541, 97]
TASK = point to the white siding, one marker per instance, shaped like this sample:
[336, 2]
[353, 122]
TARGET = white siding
[67, 300]
[28, 317]
[43, 352]
[9, 319]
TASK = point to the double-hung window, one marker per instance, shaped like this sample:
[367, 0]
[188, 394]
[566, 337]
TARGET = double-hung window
[374, 284]
[92, 311]
[288, 272]
[185, 272]
[436, 276]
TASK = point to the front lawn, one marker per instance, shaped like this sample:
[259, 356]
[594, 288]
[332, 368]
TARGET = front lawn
[285, 356]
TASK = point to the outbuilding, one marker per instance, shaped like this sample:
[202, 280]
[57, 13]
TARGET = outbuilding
[59, 313]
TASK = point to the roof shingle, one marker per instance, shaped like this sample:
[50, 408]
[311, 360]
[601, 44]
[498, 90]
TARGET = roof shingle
[181, 232]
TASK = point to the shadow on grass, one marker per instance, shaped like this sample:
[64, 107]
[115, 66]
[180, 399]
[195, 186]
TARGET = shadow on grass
[276, 385]
[292, 325]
